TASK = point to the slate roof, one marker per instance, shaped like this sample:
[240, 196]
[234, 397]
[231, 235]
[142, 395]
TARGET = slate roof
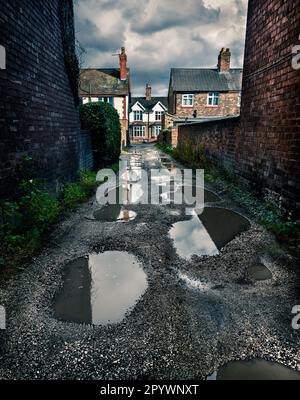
[149, 104]
[206, 80]
[104, 81]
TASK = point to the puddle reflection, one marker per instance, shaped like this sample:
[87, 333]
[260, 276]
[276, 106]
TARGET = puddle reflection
[101, 289]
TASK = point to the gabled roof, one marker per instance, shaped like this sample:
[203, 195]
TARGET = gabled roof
[103, 81]
[206, 80]
[149, 104]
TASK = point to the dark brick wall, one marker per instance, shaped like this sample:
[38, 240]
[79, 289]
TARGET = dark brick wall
[264, 146]
[217, 138]
[269, 139]
[38, 105]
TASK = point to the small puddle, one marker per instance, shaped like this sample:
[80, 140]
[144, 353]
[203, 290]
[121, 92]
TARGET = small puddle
[114, 212]
[208, 233]
[100, 289]
[259, 272]
[254, 370]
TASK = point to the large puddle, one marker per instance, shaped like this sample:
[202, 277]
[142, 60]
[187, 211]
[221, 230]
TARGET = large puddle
[254, 370]
[208, 233]
[100, 289]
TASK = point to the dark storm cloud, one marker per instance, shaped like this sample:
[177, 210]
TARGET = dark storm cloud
[160, 34]
[94, 39]
[177, 15]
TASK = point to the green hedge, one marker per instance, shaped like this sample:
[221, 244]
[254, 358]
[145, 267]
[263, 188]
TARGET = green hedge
[103, 121]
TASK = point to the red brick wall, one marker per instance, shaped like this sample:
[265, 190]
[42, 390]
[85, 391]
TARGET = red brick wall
[228, 106]
[38, 110]
[269, 140]
[217, 138]
[264, 146]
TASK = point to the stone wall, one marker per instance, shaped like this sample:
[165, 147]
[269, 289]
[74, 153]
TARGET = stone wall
[38, 104]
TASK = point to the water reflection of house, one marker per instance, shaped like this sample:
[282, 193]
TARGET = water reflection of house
[111, 85]
[145, 117]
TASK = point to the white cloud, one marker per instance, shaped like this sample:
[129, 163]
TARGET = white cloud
[160, 34]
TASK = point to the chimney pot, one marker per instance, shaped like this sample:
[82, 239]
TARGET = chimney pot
[148, 92]
[123, 64]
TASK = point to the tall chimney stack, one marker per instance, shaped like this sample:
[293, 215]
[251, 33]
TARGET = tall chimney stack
[123, 65]
[148, 92]
[224, 60]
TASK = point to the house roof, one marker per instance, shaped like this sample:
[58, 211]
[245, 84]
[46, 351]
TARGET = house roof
[149, 104]
[205, 79]
[104, 81]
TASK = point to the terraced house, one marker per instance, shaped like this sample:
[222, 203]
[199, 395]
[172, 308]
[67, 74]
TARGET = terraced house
[205, 93]
[111, 85]
[145, 117]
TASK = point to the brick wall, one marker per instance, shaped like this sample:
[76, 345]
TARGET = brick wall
[265, 149]
[86, 154]
[217, 138]
[269, 140]
[229, 105]
[38, 104]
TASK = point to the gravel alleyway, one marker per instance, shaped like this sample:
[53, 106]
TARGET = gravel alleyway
[195, 315]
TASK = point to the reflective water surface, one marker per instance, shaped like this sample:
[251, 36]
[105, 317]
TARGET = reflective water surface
[100, 289]
[254, 370]
[206, 234]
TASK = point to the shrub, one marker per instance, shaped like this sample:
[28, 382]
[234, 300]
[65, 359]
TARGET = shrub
[102, 120]
[73, 194]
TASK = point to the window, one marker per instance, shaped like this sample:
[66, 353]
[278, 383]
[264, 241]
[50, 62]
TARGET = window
[109, 100]
[187, 100]
[156, 129]
[213, 99]
[158, 115]
[239, 100]
[138, 115]
[139, 131]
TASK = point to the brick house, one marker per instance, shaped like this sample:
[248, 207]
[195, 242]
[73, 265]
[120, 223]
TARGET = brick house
[145, 117]
[203, 93]
[111, 85]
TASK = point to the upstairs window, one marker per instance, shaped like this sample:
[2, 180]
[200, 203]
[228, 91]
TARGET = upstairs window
[158, 115]
[213, 99]
[109, 100]
[138, 115]
[187, 100]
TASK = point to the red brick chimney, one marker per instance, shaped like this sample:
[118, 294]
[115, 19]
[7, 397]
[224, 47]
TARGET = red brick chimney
[148, 92]
[224, 60]
[123, 65]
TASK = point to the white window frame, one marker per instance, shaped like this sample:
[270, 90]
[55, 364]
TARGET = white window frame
[156, 130]
[141, 114]
[158, 115]
[214, 99]
[139, 131]
[187, 100]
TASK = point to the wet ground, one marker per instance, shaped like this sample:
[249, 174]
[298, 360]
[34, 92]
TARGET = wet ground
[161, 295]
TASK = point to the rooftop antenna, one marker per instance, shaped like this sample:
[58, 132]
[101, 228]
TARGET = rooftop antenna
[116, 54]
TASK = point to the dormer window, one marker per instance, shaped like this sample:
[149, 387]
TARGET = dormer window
[138, 115]
[158, 115]
[187, 100]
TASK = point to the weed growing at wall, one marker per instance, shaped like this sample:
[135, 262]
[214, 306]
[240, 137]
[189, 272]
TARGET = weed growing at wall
[283, 226]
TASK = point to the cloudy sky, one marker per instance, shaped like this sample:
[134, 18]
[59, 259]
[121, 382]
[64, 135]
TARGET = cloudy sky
[160, 34]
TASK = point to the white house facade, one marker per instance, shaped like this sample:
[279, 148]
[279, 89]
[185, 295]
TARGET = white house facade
[145, 117]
